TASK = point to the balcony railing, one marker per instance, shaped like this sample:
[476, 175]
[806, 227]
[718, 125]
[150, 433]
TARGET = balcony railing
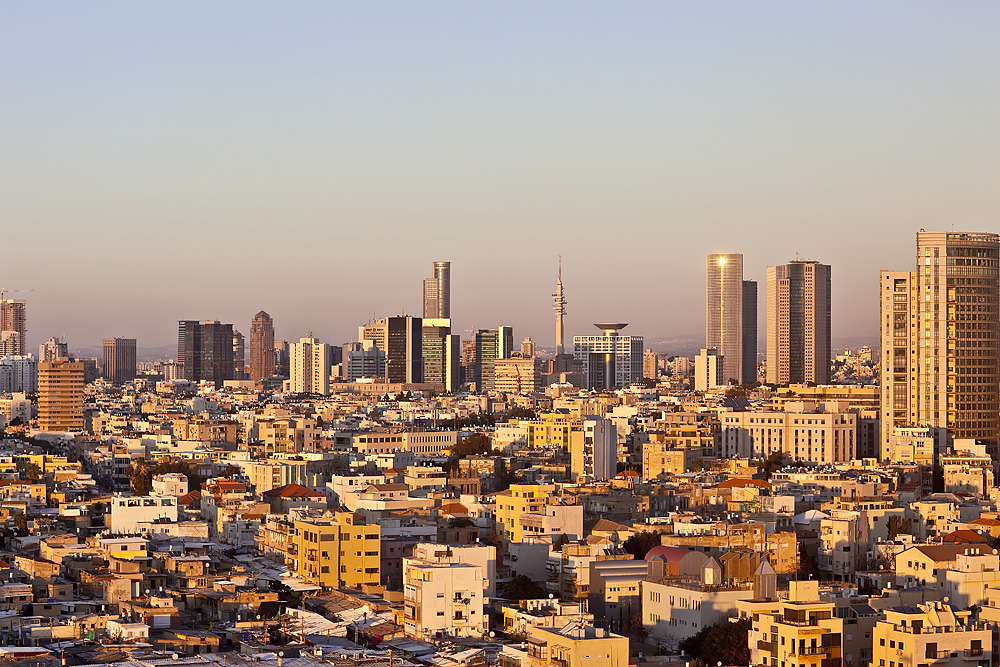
[770, 647]
[815, 650]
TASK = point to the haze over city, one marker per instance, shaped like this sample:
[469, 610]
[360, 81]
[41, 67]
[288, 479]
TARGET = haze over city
[181, 161]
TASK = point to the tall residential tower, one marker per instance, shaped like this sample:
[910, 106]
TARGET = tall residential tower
[798, 323]
[940, 340]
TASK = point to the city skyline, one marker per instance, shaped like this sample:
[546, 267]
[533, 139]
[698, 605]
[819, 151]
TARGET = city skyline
[654, 135]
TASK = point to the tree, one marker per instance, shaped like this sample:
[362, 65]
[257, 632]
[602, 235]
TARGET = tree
[774, 462]
[477, 443]
[522, 588]
[30, 470]
[140, 477]
[21, 524]
[639, 544]
[698, 464]
[723, 642]
[897, 526]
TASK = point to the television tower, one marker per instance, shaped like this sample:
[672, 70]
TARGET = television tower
[559, 305]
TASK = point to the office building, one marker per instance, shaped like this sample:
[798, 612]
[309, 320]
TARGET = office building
[281, 360]
[610, 360]
[13, 326]
[798, 323]
[940, 351]
[437, 292]
[731, 317]
[806, 431]
[363, 360]
[60, 395]
[261, 347]
[441, 354]
[749, 367]
[491, 344]
[309, 365]
[404, 349]
[118, 362]
[205, 349]
[468, 360]
[518, 375]
[239, 355]
[52, 349]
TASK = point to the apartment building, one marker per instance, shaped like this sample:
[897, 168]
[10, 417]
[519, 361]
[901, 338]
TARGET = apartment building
[931, 633]
[442, 600]
[801, 630]
[336, 550]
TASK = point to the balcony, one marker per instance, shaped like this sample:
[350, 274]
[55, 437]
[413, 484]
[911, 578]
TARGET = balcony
[976, 654]
[770, 647]
[815, 650]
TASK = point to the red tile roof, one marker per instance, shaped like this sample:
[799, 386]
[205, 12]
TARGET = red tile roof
[293, 491]
[189, 498]
[963, 537]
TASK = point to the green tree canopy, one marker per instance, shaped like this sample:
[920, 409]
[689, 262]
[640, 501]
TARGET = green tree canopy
[523, 588]
[724, 642]
[639, 544]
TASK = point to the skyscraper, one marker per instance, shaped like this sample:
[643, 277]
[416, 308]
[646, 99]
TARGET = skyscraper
[798, 323]
[437, 292]
[491, 344]
[118, 361]
[309, 365]
[60, 395]
[940, 351]
[13, 326]
[749, 333]
[261, 347]
[239, 355]
[404, 349]
[205, 349]
[610, 360]
[441, 362]
[727, 323]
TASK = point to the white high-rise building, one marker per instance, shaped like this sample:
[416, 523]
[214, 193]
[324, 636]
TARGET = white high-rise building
[708, 370]
[309, 366]
[52, 349]
[18, 373]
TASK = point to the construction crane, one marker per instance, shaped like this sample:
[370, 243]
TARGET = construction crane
[7, 290]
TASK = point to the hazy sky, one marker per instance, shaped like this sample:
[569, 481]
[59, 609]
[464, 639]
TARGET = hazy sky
[188, 160]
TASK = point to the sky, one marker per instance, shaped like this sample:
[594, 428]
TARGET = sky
[205, 160]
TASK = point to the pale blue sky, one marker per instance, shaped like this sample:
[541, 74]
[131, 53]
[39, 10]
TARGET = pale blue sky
[170, 160]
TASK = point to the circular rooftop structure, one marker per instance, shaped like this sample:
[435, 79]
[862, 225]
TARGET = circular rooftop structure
[610, 327]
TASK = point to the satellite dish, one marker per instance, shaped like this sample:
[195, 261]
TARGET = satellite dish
[174, 656]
